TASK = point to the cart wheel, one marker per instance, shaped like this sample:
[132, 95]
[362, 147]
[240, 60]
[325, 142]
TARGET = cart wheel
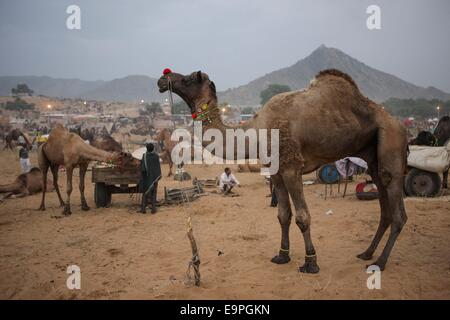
[102, 195]
[328, 174]
[420, 183]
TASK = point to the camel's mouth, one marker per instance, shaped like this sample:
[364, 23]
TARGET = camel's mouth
[162, 85]
[163, 88]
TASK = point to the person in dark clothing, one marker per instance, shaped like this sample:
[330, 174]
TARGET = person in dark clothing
[150, 174]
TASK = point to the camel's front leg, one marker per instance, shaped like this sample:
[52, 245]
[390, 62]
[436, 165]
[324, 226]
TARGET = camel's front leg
[294, 184]
[69, 172]
[54, 169]
[20, 195]
[83, 169]
[284, 217]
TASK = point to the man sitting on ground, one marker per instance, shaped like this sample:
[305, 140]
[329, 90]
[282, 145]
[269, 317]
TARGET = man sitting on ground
[228, 181]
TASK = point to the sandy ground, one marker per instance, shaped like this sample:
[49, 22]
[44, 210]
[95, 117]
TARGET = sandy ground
[126, 255]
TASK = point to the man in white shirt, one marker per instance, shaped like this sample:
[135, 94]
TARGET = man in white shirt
[228, 181]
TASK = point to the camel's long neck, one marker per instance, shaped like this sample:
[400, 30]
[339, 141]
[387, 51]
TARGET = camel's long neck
[91, 153]
[214, 121]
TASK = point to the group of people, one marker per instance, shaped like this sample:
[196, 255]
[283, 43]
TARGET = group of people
[151, 174]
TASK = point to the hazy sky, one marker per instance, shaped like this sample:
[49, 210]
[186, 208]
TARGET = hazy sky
[233, 41]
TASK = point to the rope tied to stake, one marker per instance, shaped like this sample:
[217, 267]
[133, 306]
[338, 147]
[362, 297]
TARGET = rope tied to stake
[194, 263]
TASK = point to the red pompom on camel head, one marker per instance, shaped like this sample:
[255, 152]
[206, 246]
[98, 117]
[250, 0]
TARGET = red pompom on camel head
[166, 71]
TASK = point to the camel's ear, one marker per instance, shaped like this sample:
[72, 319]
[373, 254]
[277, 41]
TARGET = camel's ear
[199, 76]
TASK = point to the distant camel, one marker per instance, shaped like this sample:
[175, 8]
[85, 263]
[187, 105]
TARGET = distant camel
[424, 138]
[329, 120]
[167, 145]
[249, 167]
[107, 143]
[101, 141]
[69, 149]
[25, 184]
[12, 138]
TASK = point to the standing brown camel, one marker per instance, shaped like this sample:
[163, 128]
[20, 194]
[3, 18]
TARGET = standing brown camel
[68, 149]
[330, 120]
[25, 184]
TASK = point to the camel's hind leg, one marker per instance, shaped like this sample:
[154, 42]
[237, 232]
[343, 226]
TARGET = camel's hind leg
[394, 198]
[83, 169]
[391, 155]
[284, 217]
[292, 178]
[385, 217]
[54, 169]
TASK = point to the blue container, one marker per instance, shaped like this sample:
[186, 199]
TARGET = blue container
[328, 174]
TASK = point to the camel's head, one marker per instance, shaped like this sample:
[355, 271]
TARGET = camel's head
[123, 159]
[195, 89]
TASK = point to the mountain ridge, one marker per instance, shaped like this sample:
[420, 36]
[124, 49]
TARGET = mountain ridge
[377, 85]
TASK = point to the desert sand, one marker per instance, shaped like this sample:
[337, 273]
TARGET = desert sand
[126, 255]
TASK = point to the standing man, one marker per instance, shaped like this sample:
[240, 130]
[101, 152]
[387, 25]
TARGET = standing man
[228, 181]
[150, 174]
[24, 159]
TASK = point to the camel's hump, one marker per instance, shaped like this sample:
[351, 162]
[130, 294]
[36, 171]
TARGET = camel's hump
[337, 73]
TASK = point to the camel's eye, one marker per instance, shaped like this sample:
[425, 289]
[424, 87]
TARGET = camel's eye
[187, 81]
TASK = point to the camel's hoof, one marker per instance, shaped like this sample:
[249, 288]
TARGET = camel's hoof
[67, 211]
[378, 264]
[41, 208]
[85, 207]
[281, 258]
[364, 256]
[310, 265]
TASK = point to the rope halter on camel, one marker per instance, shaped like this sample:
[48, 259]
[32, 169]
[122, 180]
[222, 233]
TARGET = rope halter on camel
[166, 72]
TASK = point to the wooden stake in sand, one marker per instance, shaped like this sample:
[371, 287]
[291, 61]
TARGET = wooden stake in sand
[195, 261]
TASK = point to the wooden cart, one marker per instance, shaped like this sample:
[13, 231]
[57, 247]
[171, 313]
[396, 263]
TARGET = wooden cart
[109, 180]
